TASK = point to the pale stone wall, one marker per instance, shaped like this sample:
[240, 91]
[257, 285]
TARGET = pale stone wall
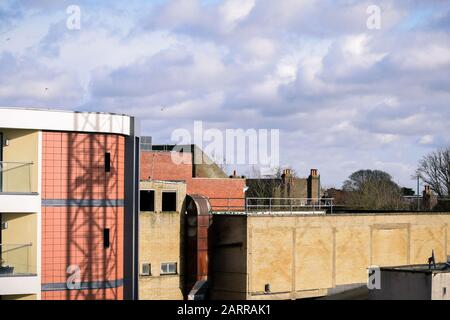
[160, 241]
[304, 256]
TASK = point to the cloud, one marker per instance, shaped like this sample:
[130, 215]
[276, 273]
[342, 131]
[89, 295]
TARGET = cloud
[343, 96]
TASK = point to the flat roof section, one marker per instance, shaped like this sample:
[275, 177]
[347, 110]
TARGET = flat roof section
[420, 268]
[59, 120]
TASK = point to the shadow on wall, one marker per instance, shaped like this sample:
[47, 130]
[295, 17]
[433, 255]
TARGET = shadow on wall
[85, 229]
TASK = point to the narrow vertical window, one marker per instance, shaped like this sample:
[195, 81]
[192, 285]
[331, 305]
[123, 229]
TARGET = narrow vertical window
[106, 242]
[107, 162]
[147, 200]
[169, 201]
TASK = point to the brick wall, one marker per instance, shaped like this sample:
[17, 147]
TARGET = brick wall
[72, 231]
[159, 166]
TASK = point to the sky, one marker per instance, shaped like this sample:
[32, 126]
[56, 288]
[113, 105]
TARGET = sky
[344, 96]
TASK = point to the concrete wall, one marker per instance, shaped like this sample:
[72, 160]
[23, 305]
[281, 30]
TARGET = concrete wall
[304, 256]
[160, 240]
[403, 285]
[440, 287]
[228, 256]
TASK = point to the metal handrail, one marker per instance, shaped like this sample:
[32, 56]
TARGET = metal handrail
[19, 165]
[19, 246]
[15, 176]
[250, 205]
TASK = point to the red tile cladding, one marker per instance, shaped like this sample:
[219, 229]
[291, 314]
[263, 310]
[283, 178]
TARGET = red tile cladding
[94, 294]
[73, 168]
[159, 166]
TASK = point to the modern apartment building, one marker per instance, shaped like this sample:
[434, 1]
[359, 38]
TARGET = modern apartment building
[68, 205]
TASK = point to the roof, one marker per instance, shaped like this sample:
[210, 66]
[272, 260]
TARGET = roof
[420, 268]
[65, 120]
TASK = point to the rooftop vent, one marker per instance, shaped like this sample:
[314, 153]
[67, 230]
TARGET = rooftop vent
[146, 143]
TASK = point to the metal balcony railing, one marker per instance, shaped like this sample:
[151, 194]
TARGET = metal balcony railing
[15, 177]
[271, 205]
[15, 260]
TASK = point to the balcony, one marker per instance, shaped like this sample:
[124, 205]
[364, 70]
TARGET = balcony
[16, 192]
[17, 270]
[15, 260]
[15, 177]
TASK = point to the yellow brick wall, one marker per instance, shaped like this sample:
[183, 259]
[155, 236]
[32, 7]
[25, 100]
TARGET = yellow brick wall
[160, 235]
[301, 256]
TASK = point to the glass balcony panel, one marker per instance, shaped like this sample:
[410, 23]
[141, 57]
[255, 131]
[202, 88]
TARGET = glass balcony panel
[15, 260]
[15, 177]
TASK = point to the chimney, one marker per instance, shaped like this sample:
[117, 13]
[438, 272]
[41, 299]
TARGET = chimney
[314, 173]
[286, 176]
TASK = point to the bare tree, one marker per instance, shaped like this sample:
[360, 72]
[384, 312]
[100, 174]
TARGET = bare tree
[434, 169]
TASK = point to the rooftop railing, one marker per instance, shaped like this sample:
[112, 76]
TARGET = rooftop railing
[271, 205]
[15, 260]
[15, 177]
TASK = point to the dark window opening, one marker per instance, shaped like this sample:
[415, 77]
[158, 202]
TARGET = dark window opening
[106, 242]
[107, 162]
[169, 201]
[147, 201]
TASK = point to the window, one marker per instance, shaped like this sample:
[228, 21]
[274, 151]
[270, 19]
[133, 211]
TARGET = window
[147, 201]
[146, 269]
[106, 242]
[169, 268]
[107, 162]
[169, 201]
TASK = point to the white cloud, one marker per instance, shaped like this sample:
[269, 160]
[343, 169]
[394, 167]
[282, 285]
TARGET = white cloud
[426, 139]
[311, 68]
[234, 11]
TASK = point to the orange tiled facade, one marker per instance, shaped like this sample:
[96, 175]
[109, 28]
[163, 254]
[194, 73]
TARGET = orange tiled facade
[81, 202]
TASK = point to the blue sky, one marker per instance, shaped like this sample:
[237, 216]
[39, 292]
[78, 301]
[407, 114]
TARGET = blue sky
[344, 97]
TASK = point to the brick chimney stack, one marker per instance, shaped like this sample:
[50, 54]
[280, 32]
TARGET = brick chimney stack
[429, 200]
[287, 175]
